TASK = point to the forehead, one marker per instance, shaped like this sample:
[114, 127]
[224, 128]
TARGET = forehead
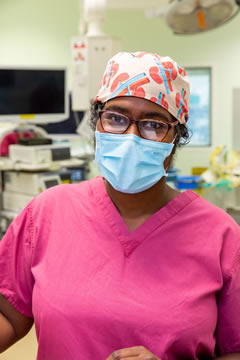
[137, 107]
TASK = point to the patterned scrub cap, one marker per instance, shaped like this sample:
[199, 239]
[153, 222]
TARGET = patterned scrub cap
[149, 76]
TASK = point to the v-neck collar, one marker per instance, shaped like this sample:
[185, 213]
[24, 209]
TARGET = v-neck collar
[130, 240]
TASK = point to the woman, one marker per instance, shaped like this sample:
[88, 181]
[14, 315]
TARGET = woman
[125, 267]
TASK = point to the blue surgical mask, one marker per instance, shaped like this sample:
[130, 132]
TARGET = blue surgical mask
[129, 163]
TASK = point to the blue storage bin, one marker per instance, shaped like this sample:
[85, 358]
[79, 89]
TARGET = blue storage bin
[172, 175]
[187, 182]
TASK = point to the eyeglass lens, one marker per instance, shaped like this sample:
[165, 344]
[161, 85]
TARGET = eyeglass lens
[148, 128]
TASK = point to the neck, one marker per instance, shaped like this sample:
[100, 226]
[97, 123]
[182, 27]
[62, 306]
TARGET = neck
[143, 203]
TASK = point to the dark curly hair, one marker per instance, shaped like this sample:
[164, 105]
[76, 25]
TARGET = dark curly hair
[182, 132]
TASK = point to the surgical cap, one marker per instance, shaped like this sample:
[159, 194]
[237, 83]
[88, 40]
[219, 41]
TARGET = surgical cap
[149, 76]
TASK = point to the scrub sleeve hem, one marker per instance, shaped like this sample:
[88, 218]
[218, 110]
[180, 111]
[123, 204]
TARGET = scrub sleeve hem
[15, 304]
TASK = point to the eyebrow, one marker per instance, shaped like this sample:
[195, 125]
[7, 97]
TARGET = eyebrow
[151, 114]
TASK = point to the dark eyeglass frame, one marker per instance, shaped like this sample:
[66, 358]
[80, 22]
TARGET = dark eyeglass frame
[135, 121]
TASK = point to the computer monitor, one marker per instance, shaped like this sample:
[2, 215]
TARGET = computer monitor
[68, 126]
[33, 95]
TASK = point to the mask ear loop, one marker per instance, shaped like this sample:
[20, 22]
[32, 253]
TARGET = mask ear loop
[173, 142]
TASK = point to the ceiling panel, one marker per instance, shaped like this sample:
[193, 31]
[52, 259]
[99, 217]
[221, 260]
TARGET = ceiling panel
[137, 4]
[132, 4]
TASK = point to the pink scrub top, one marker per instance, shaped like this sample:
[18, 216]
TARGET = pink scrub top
[93, 287]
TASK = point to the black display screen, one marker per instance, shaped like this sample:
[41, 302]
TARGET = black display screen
[50, 183]
[32, 92]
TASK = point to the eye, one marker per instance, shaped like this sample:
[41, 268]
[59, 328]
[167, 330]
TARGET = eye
[118, 119]
[115, 118]
[154, 125]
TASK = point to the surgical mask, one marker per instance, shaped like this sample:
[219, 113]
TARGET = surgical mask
[129, 163]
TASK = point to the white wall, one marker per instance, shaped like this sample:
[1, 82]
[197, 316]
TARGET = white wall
[39, 33]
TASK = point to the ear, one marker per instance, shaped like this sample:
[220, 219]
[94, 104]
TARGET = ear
[168, 161]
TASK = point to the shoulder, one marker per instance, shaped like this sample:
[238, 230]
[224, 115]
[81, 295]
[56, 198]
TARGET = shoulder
[208, 212]
[220, 230]
[214, 219]
[58, 199]
[65, 192]
[200, 219]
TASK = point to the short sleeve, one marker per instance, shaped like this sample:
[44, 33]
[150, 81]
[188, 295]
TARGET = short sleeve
[228, 327]
[16, 280]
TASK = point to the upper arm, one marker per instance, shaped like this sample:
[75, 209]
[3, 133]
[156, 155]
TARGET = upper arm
[228, 326]
[16, 278]
[13, 325]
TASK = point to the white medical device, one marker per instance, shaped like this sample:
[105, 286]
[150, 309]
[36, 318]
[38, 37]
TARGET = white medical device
[30, 183]
[15, 202]
[91, 51]
[89, 59]
[21, 187]
[39, 154]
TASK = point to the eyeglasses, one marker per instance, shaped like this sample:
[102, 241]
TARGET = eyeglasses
[149, 129]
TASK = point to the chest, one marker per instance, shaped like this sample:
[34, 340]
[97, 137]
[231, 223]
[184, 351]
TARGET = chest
[162, 293]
